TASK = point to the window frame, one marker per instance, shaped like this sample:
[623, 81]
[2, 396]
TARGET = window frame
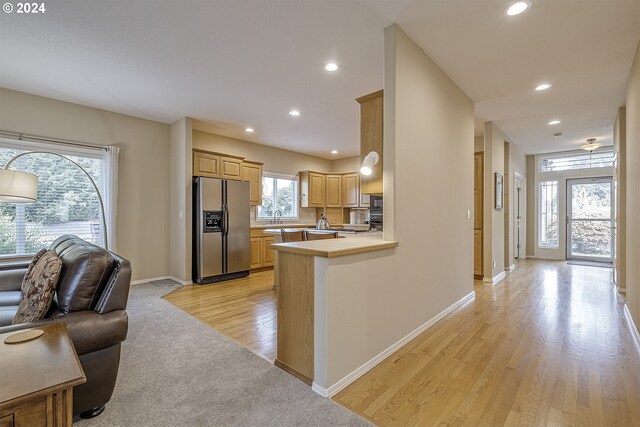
[296, 197]
[57, 148]
[539, 214]
[575, 153]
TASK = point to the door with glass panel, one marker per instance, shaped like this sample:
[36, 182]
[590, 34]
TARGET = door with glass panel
[590, 219]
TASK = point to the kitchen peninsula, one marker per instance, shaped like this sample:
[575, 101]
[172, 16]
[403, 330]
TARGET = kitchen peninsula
[319, 300]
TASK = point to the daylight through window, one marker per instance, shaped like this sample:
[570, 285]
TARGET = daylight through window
[67, 202]
[279, 198]
[599, 159]
[548, 215]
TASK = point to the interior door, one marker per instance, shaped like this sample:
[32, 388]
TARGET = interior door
[590, 228]
[517, 218]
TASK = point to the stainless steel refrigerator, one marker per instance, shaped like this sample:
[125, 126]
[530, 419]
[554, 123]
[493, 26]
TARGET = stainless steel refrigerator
[220, 229]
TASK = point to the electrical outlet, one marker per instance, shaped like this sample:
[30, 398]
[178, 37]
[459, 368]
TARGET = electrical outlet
[494, 264]
[180, 215]
[468, 214]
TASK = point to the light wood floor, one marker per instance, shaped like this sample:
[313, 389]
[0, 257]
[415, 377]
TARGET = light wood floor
[546, 346]
[242, 309]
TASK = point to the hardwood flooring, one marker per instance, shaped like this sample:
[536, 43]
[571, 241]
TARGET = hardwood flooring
[242, 309]
[546, 346]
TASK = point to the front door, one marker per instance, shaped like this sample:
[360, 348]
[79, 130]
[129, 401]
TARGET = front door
[590, 219]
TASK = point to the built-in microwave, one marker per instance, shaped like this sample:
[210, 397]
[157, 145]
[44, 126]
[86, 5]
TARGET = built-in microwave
[375, 212]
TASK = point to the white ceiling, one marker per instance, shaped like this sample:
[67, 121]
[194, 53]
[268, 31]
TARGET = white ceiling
[234, 64]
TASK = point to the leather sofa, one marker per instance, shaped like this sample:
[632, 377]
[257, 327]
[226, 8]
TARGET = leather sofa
[91, 299]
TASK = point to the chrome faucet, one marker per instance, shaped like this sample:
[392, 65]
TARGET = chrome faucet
[277, 219]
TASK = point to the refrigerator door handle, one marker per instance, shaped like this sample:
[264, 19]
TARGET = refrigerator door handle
[225, 211]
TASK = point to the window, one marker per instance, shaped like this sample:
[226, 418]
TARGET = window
[600, 159]
[67, 202]
[279, 197]
[548, 215]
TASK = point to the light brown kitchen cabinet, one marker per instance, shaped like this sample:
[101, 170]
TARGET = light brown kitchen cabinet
[267, 252]
[255, 250]
[350, 190]
[205, 164]
[312, 189]
[333, 195]
[230, 167]
[365, 200]
[371, 120]
[252, 172]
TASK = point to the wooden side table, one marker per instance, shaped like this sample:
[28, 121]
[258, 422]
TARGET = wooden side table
[37, 379]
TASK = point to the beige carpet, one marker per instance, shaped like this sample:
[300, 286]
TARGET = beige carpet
[175, 370]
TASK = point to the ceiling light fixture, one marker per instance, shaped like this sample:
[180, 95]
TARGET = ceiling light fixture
[591, 145]
[334, 151]
[554, 122]
[543, 86]
[294, 113]
[249, 130]
[369, 162]
[518, 7]
[331, 66]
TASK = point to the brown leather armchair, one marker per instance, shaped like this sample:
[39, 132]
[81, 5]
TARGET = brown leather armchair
[91, 299]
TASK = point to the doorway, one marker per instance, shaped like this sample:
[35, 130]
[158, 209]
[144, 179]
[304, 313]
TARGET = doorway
[590, 219]
[518, 211]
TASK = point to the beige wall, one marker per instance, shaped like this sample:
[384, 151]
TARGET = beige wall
[620, 146]
[493, 245]
[478, 143]
[633, 195]
[428, 186]
[274, 159]
[349, 164]
[180, 200]
[143, 200]
[531, 194]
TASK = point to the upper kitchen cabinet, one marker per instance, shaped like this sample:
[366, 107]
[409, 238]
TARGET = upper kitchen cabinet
[312, 190]
[350, 190]
[333, 195]
[230, 167]
[371, 119]
[205, 164]
[252, 172]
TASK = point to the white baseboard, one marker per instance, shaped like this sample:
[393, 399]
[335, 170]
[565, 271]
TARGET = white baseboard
[632, 326]
[510, 268]
[498, 277]
[348, 379]
[182, 282]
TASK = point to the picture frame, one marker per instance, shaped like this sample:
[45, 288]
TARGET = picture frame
[498, 186]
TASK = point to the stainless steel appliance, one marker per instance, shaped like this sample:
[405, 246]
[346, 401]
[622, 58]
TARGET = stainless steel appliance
[375, 212]
[220, 230]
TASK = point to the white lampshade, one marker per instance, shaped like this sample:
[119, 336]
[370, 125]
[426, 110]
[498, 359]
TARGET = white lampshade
[370, 160]
[18, 187]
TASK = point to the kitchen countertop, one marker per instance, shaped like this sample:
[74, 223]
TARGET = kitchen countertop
[283, 225]
[331, 248]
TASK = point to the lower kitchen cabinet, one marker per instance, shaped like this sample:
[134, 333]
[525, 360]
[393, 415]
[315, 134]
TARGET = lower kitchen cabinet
[267, 252]
[261, 253]
[255, 248]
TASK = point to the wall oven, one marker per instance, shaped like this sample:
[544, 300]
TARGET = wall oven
[375, 212]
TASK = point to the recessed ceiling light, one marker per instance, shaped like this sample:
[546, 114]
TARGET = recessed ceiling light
[518, 7]
[331, 66]
[294, 113]
[249, 130]
[555, 122]
[543, 86]
[334, 152]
